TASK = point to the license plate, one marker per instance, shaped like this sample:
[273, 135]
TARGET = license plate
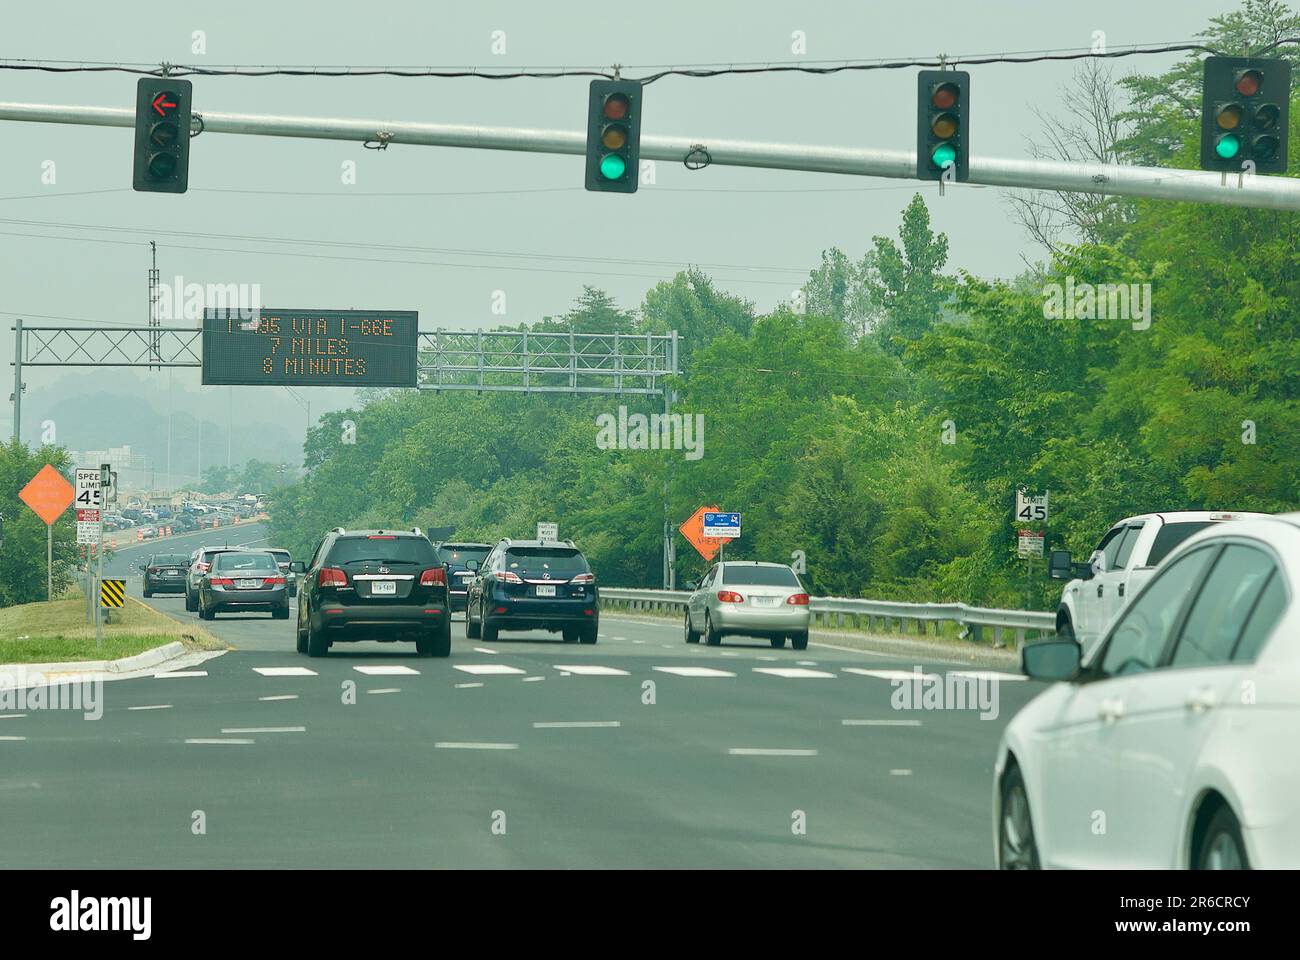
[383, 587]
[170, 573]
[766, 601]
[546, 590]
[248, 584]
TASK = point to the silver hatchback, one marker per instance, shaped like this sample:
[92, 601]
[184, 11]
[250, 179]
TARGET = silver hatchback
[748, 598]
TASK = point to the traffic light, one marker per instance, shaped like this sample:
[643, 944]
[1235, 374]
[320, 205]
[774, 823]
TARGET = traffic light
[1244, 109]
[613, 135]
[942, 124]
[162, 135]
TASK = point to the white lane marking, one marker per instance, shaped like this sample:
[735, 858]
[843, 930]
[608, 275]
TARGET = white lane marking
[451, 745]
[987, 675]
[13, 738]
[900, 773]
[574, 724]
[620, 638]
[385, 690]
[886, 674]
[263, 729]
[216, 740]
[881, 723]
[730, 654]
[488, 669]
[795, 673]
[18, 716]
[770, 659]
[694, 671]
[387, 671]
[483, 650]
[807, 663]
[533, 679]
[668, 646]
[769, 752]
[466, 686]
[154, 706]
[181, 673]
[590, 670]
[285, 672]
[282, 696]
[638, 641]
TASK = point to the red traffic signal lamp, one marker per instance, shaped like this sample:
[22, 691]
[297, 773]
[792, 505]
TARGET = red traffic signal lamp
[942, 125]
[613, 136]
[162, 135]
[1245, 105]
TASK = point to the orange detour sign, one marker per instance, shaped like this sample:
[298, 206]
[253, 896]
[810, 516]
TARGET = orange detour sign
[48, 494]
[693, 531]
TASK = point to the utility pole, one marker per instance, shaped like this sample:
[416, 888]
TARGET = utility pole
[17, 396]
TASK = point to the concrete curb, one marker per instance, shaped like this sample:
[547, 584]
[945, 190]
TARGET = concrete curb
[38, 673]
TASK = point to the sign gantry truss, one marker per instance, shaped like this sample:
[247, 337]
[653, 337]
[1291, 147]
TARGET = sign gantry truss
[492, 361]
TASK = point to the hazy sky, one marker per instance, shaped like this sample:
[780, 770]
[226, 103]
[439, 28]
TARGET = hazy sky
[59, 258]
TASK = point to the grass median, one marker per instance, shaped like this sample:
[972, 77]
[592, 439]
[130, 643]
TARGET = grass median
[57, 632]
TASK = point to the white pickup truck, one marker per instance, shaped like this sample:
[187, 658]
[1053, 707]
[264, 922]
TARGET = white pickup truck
[1121, 563]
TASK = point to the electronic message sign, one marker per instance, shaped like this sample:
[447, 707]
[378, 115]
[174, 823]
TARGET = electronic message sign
[310, 348]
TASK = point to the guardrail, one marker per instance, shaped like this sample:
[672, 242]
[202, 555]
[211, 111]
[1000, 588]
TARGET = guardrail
[879, 615]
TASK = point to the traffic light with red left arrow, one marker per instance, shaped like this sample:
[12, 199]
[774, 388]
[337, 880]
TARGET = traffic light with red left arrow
[162, 135]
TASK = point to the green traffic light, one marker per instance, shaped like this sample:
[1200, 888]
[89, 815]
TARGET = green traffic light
[1228, 146]
[612, 167]
[943, 156]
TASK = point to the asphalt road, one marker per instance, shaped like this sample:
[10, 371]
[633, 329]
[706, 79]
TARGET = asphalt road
[640, 751]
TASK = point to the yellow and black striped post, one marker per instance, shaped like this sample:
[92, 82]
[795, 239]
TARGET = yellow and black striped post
[112, 593]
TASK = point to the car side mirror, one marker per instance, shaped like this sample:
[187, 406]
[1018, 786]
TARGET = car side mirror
[297, 566]
[1097, 561]
[1083, 571]
[692, 585]
[1052, 660]
[1059, 566]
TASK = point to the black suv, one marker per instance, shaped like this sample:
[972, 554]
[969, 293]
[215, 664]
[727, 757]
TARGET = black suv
[165, 573]
[456, 557]
[373, 585]
[534, 585]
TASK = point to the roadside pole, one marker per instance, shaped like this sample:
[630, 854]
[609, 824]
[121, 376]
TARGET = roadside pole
[105, 479]
[49, 561]
[18, 381]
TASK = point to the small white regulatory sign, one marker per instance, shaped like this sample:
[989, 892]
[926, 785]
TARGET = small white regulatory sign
[548, 531]
[1031, 507]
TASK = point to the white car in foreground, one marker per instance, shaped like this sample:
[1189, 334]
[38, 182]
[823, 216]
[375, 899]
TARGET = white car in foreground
[1175, 746]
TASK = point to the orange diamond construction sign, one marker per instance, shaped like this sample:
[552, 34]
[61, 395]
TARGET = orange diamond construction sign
[48, 494]
[693, 531]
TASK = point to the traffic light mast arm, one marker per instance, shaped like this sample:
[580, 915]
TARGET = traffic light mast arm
[1159, 183]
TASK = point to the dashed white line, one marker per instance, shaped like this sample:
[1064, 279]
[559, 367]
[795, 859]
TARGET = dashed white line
[488, 669]
[483, 650]
[17, 716]
[574, 724]
[769, 752]
[886, 674]
[181, 673]
[987, 675]
[153, 706]
[387, 671]
[452, 745]
[881, 723]
[218, 740]
[263, 729]
[281, 696]
[795, 673]
[385, 690]
[466, 686]
[900, 773]
[694, 671]
[533, 679]
[13, 738]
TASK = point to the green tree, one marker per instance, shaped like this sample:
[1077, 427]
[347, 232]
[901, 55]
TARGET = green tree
[22, 555]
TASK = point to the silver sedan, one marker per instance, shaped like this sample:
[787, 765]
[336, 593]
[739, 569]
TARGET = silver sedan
[748, 598]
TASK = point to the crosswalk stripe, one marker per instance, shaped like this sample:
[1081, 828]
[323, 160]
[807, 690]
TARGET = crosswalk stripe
[694, 671]
[591, 670]
[488, 669]
[795, 673]
[387, 671]
[769, 752]
[285, 672]
[180, 673]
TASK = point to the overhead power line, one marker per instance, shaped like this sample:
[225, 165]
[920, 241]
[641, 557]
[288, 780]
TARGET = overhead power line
[697, 71]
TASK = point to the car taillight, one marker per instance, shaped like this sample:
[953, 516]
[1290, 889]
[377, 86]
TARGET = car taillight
[729, 596]
[584, 578]
[433, 578]
[332, 577]
[510, 577]
[799, 599]
[221, 582]
[273, 580]
[151, 570]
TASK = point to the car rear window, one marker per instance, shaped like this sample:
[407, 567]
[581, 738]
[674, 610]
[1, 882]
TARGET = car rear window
[538, 559]
[1171, 535]
[245, 561]
[760, 576]
[450, 553]
[382, 549]
[281, 556]
[170, 559]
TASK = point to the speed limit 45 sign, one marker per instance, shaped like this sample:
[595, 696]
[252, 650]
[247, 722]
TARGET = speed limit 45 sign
[90, 493]
[1031, 506]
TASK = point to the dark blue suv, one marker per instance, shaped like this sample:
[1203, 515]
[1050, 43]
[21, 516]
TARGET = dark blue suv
[534, 585]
